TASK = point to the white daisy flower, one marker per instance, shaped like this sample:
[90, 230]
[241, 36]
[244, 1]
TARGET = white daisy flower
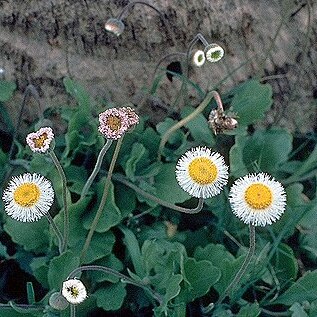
[257, 199]
[40, 140]
[201, 172]
[199, 58]
[74, 291]
[214, 52]
[28, 197]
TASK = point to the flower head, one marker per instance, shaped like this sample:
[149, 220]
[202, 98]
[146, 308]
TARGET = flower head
[214, 52]
[74, 291]
[40, 140]
[114, 123]
[220, 122]
[114, 26]
[28, 197]
[201, 172]
[133, 118]
[257, 199]
[199, 58]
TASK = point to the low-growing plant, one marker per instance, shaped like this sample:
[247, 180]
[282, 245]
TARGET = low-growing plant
[207, 215]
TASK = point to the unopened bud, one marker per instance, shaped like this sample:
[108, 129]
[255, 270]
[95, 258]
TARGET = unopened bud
[114, 26]
[58, 301]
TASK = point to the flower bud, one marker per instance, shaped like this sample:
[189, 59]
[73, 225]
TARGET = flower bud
[58, 301]
[114, 26]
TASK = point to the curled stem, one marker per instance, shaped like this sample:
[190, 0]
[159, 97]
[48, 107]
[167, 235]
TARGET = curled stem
[29, 91]
[121, 276]
[96, 168]
[132, 4]
[181, 123]
[102, 202]
[64, 184]
[243, 267]
[198, 37]
[158, 200]
[56, 231]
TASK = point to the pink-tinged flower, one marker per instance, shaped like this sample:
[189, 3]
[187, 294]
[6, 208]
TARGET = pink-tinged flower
[114, 123]
[133, 118]
[40, 140]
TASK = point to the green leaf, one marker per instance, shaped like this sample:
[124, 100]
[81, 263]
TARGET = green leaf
[249, 310]
[284, 263]
[36, 239]
[198, 127]
[30, 293]
[200, 276]
[135, 156]
[40, 270]
[77, 92]
[3, 251]
[264, 151]
[60, 267]
[298, 310]
[304, 289]
[6, 90]
[111, 214]
[108, 261]
[250, 101]
[237, 165]
[306, 170]
[134, 250]
[111, 297]
[167, 187]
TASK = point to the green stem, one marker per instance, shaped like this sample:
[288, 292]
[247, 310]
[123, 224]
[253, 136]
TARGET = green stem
[72, 311]
[121, 276]
[56, 231]
[96, 168]
[158, 200]
[64, 184]
[181, 123]
[102, 202]
[243, 267]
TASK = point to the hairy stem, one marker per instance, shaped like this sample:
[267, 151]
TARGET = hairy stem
[64, 184]
[102, 202]
[57, 232]
[96, 168]
[243, 267]
[121, 276]
[158, 200]
[181, 123]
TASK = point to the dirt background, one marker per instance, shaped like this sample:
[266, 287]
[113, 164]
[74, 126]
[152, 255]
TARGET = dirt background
[41, 42]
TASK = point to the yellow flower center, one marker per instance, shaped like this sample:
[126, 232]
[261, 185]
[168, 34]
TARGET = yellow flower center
[73, 291]
[39, 142]
[203, 171]
[258, 196]
[114, 123]
[27, 195]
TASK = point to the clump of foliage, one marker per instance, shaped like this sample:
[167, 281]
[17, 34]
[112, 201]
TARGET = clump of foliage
[123, 232]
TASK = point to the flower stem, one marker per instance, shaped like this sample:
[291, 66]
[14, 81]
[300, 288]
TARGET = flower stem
[121, 276]
[64, 184]
[56, 231]
[181, 123]
[96, 168]
[132, 4]
[72, 311]
[158, 200]
[102, 202]
[243, 267]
